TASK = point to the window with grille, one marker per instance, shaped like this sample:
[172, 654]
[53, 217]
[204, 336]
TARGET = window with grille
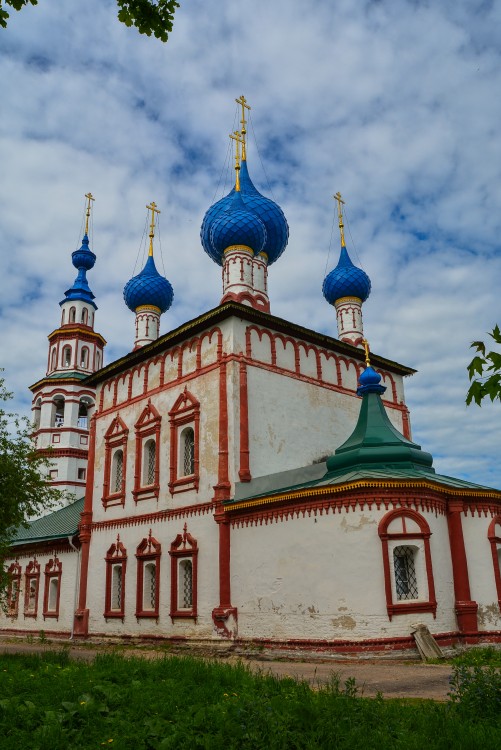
[149, 463]
[118, 471]
[148, 577]
[150, 586]
[185, 584]
[405, 573]
[188, 443]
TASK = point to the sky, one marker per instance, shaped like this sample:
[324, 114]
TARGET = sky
[395, 105]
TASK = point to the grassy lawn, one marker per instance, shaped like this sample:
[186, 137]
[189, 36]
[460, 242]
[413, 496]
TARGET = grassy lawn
[49, 702]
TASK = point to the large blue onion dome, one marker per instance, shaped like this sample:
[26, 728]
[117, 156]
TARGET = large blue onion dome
[83, 259]
[148, 288]
[271, 215]
[346, 280]
[236, 226]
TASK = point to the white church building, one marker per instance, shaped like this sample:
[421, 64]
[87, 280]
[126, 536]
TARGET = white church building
[243, 479]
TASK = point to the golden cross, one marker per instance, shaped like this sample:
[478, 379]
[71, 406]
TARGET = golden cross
[365, 344]
[340, 201]
[243, 103]
[154, 210]
[237, 137]
[90, 198]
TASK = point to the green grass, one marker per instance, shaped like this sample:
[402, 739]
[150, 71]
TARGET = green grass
[48, 702]
[488, 656]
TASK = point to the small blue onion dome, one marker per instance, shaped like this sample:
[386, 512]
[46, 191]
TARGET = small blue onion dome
[370, 382]
[271, 215]
[83, 257]
[84, 260]
[346, 280]
[236, 226]
[148, 288]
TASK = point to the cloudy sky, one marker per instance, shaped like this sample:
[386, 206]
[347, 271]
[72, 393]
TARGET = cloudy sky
[397, 105]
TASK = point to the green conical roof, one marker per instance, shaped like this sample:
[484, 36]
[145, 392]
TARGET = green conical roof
[375, 442]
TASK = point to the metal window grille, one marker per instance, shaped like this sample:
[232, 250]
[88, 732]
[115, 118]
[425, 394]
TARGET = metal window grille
[119, 470]
[150, 586]
[32, 601]
[150, 458]
[117, 588]
[186, 584]
[405, 573]
[189, 452]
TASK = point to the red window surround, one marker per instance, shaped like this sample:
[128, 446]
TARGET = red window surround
[394, 606]
[52, 592]
[116, 564]
[183, 549]
[13, 589]
[115, 438]
[32, 585]
[148, 577]
[494, 536]
[147, 427]
[185, 412]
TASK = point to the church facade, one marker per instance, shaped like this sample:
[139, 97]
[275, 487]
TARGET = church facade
[245, 479]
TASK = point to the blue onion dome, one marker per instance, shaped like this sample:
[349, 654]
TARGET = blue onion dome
[346, 280]
[84, 260]
[148, 288]
[370, 382]
[271, 215]
[83, 257]
[236, 226]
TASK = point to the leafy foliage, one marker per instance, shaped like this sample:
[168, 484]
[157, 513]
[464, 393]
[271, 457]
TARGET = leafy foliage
[148, 16]
[487, 365]
[476, 692]
[24, 491]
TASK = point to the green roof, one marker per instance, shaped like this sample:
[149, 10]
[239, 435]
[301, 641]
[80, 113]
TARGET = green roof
[60, 524]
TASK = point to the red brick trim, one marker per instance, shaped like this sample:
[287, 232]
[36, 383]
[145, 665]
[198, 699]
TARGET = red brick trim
[115, 437]
[116, 555]
[32, 574]
[244, 473]
[53, 572]
[223, 487]
[466, 609]
[147, 426]
[13, 589]
[494, 537]
[199, 509]
[185, 412]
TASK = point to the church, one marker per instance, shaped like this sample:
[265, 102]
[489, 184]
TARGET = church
[243, 480]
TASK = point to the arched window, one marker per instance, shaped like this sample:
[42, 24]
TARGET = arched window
[85, 316]
[37, 411]
[149, 462]
[148, 577]
[58, 412]
[13, 589]
[66, 356]
[184, 443]
[53, 359]
[52, 592]
[98, 360]
[117, 473]
[72, 315]
[148, 425]
[184, 555]
[115, 459]
[84, 358]
[188, 451]
[83, 417]
[63, 315]
[408, 572]
[116, 562]
[32, 579]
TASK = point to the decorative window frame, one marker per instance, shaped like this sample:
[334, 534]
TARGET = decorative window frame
[149, 550]
[116, 557]
[184, 547]
[13, 589]
[495, 541]
[115, 437]
[184, 413]
[147, 427]
[32, 574]
[419, 539]
[53, 572]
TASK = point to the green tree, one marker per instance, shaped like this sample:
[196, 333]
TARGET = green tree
[24, 491]
[148, 16]
[487, 366]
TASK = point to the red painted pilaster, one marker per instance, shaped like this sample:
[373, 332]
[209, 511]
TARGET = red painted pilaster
[225, 610]
[466, 609]
[244, 471]
[81, 620]
[223, 486]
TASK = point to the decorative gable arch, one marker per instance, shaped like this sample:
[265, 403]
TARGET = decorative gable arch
[184, 418]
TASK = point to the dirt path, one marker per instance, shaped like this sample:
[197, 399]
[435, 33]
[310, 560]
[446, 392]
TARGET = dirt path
[394, 679]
